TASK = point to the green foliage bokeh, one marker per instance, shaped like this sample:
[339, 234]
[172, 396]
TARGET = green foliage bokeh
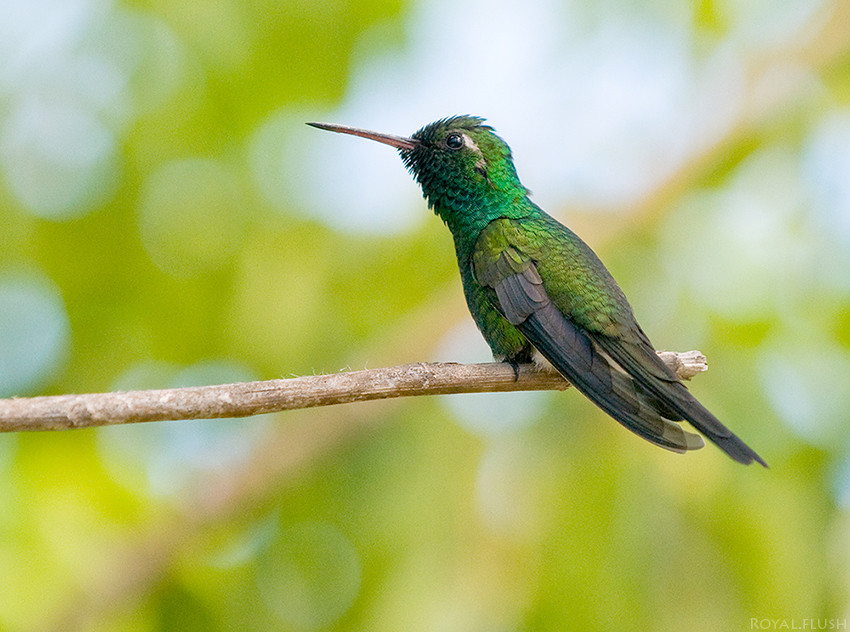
[141, 248]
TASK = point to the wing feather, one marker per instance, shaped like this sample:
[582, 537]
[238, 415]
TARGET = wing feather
[592, 340]
[578, 359]
[523, 300]
[675, 396]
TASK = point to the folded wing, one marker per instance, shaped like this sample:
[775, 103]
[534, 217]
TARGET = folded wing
[621, 374]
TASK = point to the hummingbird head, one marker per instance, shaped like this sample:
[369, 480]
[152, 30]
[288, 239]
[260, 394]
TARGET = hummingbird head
[460, 163]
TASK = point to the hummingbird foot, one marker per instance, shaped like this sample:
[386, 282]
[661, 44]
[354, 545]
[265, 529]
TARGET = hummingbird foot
[515, 366]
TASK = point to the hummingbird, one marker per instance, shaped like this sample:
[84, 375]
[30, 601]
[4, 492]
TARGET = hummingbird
[534, 288]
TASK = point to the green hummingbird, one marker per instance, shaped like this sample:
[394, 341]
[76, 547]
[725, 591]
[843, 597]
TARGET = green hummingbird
[533, 286]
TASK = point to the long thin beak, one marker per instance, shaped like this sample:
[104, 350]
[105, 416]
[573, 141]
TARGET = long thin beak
[399, 142]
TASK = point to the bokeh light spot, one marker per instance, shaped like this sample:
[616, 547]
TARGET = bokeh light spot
[825, 159]
[841, 482]
[485, 413]
[504, 491]
[825, 156]
[358, 187]
[150, 57]
[35, 333]
[807, 386]
[732, 248]
[169, 456]
[241, 546]
[193, 216]
[310, 575]
[58, 159]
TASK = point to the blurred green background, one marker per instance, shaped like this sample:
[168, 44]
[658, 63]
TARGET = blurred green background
[167, 219]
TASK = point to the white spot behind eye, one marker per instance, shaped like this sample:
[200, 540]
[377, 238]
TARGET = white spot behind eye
[468, 142]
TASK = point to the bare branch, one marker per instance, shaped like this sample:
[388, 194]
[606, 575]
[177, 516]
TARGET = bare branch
[63, 412]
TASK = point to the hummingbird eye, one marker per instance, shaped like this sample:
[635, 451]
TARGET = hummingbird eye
[454, 141]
